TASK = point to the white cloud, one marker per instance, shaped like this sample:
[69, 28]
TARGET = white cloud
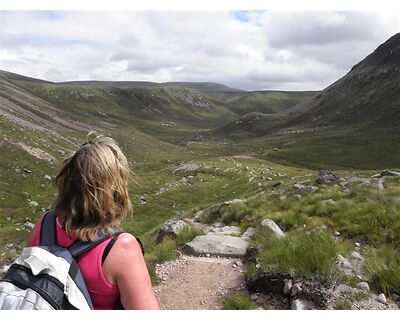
[253, 50]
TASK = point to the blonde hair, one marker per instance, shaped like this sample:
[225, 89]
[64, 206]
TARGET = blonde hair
[93, 189]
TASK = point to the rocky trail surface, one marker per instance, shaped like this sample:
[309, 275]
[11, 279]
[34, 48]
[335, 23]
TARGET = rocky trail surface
[209, 270]
[190, 283]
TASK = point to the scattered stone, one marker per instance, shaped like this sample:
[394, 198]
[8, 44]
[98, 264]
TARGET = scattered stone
[47, 177]
[356, 256]
[254, 296]
[142, 200]
[239, 263]
[171, 227]
[33, 203]
[275, 184]
[342, 262]
[17, 170]
[373, 182]
[303, 188]
[271, 226]
[342, 289]
[357, 244]
[29, 225]
[364, 286]
[297, 196]
[328, 201]
[296, 289]
[287, 286]
[326, 176]
[27, 170]
[382, 298]
[336, 233]
[208, 255]
[298, 305]
[387, 173]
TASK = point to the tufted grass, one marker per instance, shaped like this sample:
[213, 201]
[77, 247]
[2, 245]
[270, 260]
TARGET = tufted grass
[238, 301]
[308, 255]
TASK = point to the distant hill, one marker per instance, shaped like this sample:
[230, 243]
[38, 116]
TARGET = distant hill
[202, 86]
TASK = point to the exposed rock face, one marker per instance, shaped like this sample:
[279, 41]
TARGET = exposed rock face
[217, 245]
[326, 176]
[171, 227]
[190, 96]
[271, 226]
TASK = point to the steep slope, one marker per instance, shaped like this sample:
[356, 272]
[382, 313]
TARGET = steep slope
[352, 123]
[367, 96]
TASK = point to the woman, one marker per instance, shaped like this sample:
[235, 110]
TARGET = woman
[92, 197]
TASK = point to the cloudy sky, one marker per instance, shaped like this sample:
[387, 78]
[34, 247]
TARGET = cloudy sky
[251, 50]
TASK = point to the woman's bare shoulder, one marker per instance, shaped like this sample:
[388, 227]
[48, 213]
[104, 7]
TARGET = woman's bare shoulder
[126, 243]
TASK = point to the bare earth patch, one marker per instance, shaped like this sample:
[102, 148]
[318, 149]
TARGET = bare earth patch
[191, 283]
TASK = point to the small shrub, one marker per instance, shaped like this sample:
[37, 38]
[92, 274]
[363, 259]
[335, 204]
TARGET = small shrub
[238, 301]
[361, 295]
[343, 305]
[235, 213]
[164, 251]
[349, 280]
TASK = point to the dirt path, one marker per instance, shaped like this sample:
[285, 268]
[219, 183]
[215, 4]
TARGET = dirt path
[190, 283]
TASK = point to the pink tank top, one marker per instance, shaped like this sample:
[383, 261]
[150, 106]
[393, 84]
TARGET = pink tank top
[102, 293]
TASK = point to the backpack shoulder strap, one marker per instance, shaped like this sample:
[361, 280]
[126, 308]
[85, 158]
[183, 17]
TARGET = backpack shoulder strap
[80, 247]
[48, 231]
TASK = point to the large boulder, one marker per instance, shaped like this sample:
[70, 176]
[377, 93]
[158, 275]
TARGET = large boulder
[172, 228]
[270, 226]
[326, 176]
[216, 245]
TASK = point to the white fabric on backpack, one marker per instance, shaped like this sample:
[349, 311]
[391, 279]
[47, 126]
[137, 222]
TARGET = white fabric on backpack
[14, 298]
[41, 261]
